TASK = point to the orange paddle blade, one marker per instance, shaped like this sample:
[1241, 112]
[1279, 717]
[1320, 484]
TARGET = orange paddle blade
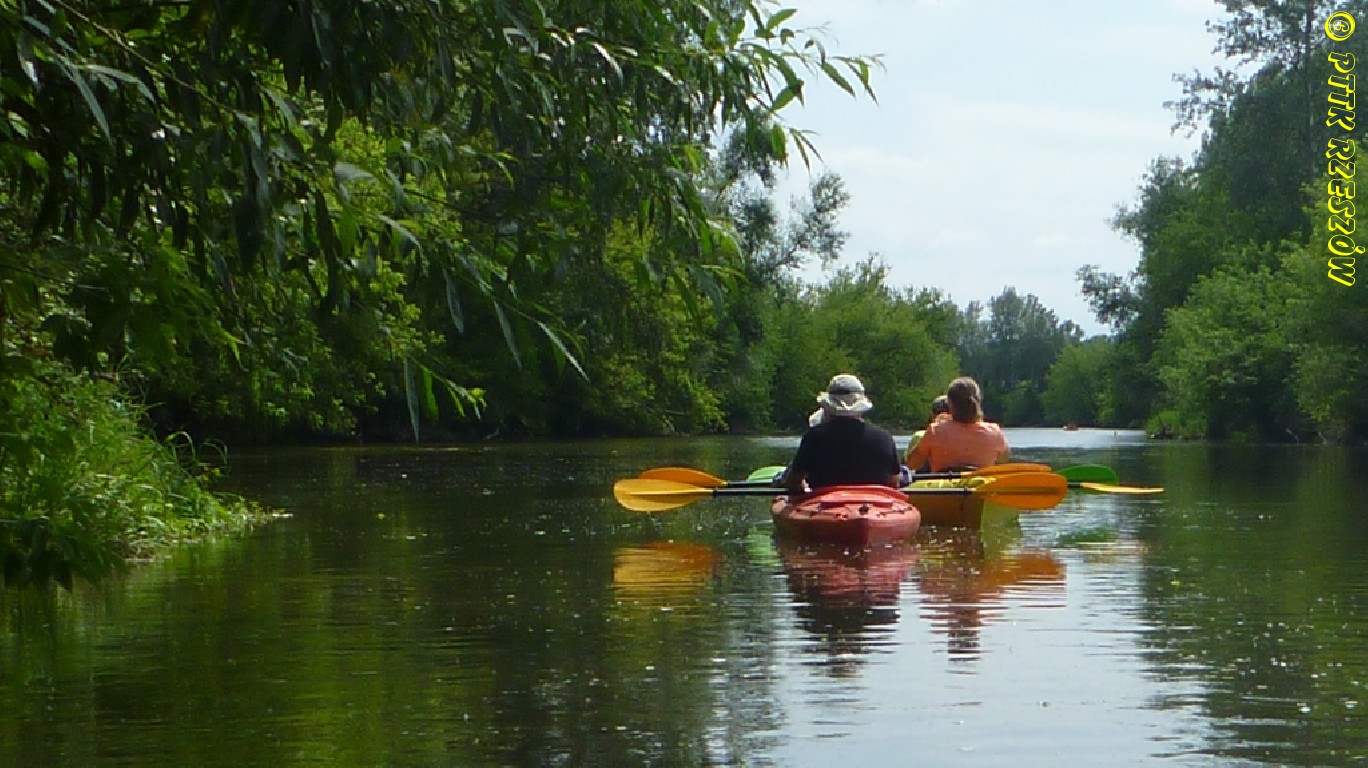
[1025, 490]
[1007, 469]
[684, 475]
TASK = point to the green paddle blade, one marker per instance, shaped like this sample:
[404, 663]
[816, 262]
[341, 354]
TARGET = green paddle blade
[765, 474]
[1090, 473]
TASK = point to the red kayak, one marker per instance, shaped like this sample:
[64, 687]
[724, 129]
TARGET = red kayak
[853, 515]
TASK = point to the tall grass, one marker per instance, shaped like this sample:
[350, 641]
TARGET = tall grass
[84, 486]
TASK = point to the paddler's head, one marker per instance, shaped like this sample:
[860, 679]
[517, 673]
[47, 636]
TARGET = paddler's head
[845, 396]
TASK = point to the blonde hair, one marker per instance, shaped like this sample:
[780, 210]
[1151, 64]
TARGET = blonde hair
[966, 400]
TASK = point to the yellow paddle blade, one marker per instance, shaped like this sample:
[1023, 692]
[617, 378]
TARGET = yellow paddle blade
[684, 475]
[651, 495]
[1025, 490]
[1108, 488]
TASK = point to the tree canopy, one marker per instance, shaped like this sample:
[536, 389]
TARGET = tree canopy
[1229, 325]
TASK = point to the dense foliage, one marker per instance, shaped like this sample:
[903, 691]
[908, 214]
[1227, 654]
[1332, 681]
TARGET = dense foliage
[340, 220]
[273, 220]
[1231, 325]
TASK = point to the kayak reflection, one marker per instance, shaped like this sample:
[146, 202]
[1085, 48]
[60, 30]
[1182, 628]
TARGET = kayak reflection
[967, 577]
[841, 594]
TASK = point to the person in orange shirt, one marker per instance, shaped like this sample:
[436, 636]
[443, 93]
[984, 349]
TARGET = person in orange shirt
[964, 441]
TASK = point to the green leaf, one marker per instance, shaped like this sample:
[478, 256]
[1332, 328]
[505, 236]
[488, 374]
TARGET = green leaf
[411, 396]
[779, 18]
[507, 329]
[461, 397]
[836, 77]
[121, 76]
[560, 345]
[787, 95]
[401, 231]
[88, 95]
[345, 173]
[453, 301]
[429, 396]
[612, 62]
[778, 142]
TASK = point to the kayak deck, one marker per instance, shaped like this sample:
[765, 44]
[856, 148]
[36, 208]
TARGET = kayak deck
[853, 515]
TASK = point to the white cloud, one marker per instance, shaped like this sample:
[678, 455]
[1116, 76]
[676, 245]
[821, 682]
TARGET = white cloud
[954, 239]
[1054, 240]
[1005, 136]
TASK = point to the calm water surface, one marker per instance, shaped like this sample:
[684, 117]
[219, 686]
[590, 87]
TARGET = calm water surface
[492, 605]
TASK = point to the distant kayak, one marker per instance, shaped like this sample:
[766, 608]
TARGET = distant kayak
[853, 515]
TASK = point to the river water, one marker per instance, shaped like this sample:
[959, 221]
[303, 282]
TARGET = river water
[492, 605]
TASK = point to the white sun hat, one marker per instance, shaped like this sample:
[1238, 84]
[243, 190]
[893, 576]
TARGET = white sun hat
[845, 396]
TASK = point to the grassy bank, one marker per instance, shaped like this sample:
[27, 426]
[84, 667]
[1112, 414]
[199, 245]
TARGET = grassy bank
[84, 487]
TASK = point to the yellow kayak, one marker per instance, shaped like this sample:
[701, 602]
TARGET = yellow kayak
[950, 510]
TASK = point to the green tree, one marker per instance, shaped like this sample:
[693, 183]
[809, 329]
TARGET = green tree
[1010, 353]
[1250, 189]
[1327, 325]
[1076, 389]
[1224, 358]
[283, 218]
[856, 323]
[772, 248]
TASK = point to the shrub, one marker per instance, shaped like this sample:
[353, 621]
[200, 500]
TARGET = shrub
[84, 486]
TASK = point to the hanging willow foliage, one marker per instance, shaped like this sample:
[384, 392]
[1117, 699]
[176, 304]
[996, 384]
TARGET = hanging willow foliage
[180, 175]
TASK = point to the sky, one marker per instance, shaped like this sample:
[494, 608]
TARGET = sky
[1005, 138]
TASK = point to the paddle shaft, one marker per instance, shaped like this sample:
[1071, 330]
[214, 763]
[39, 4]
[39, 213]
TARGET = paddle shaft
[923, 476]
[982, 490]
[1028, 490]
[762, 489]
[995, 470]
[1092, 477]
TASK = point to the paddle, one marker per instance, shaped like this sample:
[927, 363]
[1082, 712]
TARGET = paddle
[1091, 477]
[1110, 488]
[994, 470]
[764, 477]
[764, 474]
[1090, 473]
[691, 476]
[1026, 490]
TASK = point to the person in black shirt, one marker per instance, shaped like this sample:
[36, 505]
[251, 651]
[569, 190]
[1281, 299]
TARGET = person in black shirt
[843, 448]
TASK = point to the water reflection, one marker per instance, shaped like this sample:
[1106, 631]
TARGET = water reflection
[491, 605]
[663, 574]
[844, 597]
[966, 578]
